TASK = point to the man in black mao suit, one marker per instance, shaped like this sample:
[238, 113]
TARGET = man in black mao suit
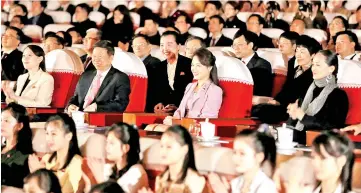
[255, 24]
[245, 46]
[39, 17]
[172, 75]
[215, 26]
[114, 90]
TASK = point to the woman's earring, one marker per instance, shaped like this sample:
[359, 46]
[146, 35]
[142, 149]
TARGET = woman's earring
[328, 78]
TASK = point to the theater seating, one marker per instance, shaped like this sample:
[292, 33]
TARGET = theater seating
[60, 17]
[66, 67]
[349, 80]
[318, 34]
[56, 27]
[135, 18]
[33, 31]
[243, 16]
[97, 17]
[273, 33]
[197, 31]
[198, 16]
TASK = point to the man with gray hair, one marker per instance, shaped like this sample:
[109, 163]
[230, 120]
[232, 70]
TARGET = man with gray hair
[192, 44]
[93, 36]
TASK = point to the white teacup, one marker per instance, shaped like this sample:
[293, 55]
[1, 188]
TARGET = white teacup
[285, 136]
[78, 117]
[208, 130]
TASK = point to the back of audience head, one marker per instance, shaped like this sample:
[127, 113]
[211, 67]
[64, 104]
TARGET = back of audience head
[231, 8]
[122, 147]
[66, 36]
[339, 23]
[11, 38]
[204, 66]
[151, 25]
[121, 14]
[107, 187]
[216, 24]
[61, 135]
[298, 25]
[82, 11]
[183, 23]
[346, 43]
[76, 37]
[287, 43]
[212, 8]
[122, 42]
[92, 37]
[141, 45]
[102, 55]
[306, 48]
[254, 150]
[324, 64]
[192, 44]
[42, 181]
[53, 42]
[18, 21]
[34, 58]
[169, 44]
[176, 146]
[333, 158]
[15, 126]
[245, 43]
[255, 24]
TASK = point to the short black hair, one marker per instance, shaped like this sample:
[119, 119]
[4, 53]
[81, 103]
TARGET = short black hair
[73, 29]
[317, 3]
[261, 20]
[19, 33]
[352, 36]
[344, 21]
[107, 45]
[23, 7]
[188, 19]
[59, 39]
[220, 19]
[249, 37]
[145, 37]
[290, 35]
[234, 4]
[44, 4]
[67, 38]
[153, 17]
[358, 8]
[172, 33]
[217, 4]
[203, 45]
[22, 19]
[309, 43]
[84, 6]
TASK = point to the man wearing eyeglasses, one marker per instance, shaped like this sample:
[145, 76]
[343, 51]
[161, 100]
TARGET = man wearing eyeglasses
[255, 24]
[93, 36]
[11, 64]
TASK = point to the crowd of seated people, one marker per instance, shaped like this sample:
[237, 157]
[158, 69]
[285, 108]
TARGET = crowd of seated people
[182, 82]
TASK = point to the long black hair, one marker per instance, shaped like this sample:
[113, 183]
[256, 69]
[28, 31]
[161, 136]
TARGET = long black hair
[262, 143]
[206, 58]
[68, 125]
[46, 179]
[127, 135]
[183, 137]
[24, 141]
[127, 20]
[338, 145]
[38, 51]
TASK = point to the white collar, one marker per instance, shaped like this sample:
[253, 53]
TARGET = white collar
[246, 60]
[104, 73]
[350, 56]
[218, 36]
[173, 12]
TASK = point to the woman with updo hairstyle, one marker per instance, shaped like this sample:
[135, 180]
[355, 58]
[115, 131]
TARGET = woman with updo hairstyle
[202, 98]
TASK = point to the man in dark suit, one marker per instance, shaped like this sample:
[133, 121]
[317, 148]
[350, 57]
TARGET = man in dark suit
[151, 29]
[245, 46]
[83, 22]
[97, 6]
[255, 24]
[39, 17]
[143, 11]
[92, 37]
[19, 21]
[104, 89]
[211, 8]
[142, 47]
[66, 6]
[170, 13]
[183, 23]
[172, 75]
[11, 63]
[216, 24]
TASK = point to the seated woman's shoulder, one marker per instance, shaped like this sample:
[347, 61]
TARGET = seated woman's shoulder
[338, 93]
[47, 76]
[76, 161]
[195, 181]
[138, 168]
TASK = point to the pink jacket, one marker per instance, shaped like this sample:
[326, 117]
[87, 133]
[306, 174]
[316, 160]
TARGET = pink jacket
[205, 104]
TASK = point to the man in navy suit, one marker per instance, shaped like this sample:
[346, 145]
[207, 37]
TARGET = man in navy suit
[104, 89]
[215, 27]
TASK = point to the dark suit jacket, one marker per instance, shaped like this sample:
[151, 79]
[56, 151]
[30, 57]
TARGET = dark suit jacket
[202, 24]
[113, 95]
[84, 26]
[43, 20]
[154, 40]
[235, 23]
[70, 9]
[144, 13]
[223, 41]
[150, 63]
[183, 76]
[183, 38]
[24, 39]
[90, 66]
[12, 66]
[169, 21]
[102, 9]
[261, 71]
[265, 42]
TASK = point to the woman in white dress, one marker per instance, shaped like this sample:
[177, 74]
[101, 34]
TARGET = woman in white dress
[252, 151]
[333, 159]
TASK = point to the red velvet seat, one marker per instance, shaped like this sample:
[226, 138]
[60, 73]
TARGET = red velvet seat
[66, 67]
[349, 79]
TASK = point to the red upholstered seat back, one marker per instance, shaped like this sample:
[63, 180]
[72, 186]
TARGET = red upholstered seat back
[349, 80]
[237, 84]
[66, 67]
[135, 69]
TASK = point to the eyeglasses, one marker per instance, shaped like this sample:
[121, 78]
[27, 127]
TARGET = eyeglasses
[234, 46]
[138, 45]
[252, 23]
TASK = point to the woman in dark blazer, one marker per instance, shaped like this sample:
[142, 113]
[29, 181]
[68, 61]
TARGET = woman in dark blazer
[120, 25]
[231, 9]
[324, 106]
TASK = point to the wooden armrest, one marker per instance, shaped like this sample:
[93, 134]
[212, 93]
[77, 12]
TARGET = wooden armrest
[143, 118]
[102, 119]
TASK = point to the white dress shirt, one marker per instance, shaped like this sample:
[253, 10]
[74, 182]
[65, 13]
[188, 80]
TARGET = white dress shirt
[260, 184]
[216, 39]
[246, 60]
[171, 73]
[338, 189]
